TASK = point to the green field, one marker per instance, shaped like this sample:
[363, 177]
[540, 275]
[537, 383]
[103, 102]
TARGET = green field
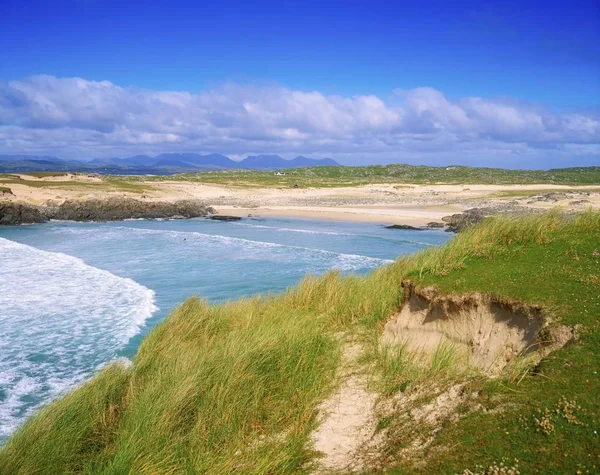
[234, 388]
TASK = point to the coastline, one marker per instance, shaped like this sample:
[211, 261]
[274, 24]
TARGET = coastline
[383, 216]
[270, 353]
[401, 204]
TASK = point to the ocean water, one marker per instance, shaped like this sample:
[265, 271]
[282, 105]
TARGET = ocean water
[74, 296]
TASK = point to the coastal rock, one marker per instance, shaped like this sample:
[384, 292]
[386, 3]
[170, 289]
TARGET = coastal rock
[554, 197]
[111, 209]
[403, 226]
[17, 213]
[218, 217]
[116, 209]
[459, 221]
[435, 225]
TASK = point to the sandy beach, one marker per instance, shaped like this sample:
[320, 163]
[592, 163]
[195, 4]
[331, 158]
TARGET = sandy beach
[410, 204]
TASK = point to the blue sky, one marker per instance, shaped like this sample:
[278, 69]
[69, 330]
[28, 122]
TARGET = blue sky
[533, 64]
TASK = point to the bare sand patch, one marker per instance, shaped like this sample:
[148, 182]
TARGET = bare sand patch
[347, 419]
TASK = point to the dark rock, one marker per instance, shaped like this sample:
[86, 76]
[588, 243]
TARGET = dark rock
[403, 226]
[435, 225]
[19, 213]
[220, 217]
[553, 197]
[111, 209]
[460, 221]
[116, 209]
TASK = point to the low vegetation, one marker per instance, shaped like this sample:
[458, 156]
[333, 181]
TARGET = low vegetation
[235, 387]
[337, 176]
[46, 174]
[107, 183]
[354, 176]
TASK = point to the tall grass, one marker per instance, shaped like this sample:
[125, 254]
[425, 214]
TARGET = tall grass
[492, 238]
[233, 388]
[399, 366]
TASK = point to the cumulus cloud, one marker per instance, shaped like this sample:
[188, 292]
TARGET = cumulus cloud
[78, 118]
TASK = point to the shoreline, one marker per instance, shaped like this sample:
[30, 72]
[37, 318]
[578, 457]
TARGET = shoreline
[384, 216]
[387, 203]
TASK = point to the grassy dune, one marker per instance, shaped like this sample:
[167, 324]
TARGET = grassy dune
[355, 176]
[234, 388]
[108, 183]
[323, 177]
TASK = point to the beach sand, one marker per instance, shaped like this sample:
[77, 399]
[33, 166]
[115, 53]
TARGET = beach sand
[410, 204]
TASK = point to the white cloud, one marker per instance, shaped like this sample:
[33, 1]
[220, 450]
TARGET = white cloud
[74, 117]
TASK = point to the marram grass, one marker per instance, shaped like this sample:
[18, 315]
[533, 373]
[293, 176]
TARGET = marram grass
[234, 388]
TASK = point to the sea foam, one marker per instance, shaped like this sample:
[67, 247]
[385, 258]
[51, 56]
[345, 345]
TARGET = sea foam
[60, 319]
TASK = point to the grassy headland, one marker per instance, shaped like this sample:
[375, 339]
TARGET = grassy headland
[235, 387]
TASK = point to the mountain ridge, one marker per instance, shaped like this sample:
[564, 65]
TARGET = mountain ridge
[164, 162]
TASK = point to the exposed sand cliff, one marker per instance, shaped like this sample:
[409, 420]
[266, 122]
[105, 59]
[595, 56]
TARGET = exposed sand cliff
[483, 331]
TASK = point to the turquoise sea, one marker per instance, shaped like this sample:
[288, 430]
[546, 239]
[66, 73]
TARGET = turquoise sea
[74, 296]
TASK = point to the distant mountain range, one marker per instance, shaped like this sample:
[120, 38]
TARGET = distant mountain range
[165, 163]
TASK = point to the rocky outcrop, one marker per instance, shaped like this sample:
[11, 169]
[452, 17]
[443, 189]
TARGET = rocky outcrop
[403, 226]
[111, 209]
[459, 221]
[115, 209]
[435, 225]
[554, 197]
[219, 217]
[16, 213]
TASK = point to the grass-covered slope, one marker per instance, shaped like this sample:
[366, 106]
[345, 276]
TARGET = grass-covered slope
[546, 420]
[234, 388]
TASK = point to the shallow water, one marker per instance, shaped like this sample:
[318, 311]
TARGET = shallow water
[74, 296]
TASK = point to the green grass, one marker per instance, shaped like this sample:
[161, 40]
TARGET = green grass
[5, 189]
[555, 265]
[234, 388]
[354, 176]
